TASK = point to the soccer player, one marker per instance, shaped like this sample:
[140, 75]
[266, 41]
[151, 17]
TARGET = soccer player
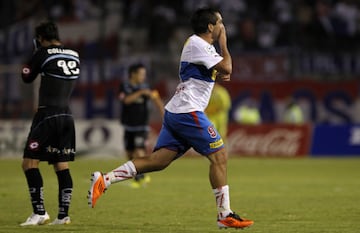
[52, 133]
[185, 124]
[135, 95]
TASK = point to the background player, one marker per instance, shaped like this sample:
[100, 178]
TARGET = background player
[52, 134]
[134, 96]
[185, 124]
[218, 109]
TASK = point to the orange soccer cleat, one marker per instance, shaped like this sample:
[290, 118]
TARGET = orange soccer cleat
[97, 188]
[234, 221]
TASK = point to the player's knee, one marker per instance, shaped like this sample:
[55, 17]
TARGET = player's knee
[29, 163]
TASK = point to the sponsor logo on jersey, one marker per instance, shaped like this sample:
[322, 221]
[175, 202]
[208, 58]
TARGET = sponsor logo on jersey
[212, 131]
[64, 151]
[33, 145]
[26, 70]
[216, 144]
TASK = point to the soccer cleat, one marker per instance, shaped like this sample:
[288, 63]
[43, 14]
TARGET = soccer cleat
[234, 221]
[36, 219]
[63, 221]
[97, 188]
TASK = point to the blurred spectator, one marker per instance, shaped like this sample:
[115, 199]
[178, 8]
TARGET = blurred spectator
[348, 12]
[325, 27]
[162, 24]
[283, 15]
[86, 9]
[293, 113]
[248, 113]
[135, 12]
[60, 10]
[267, 34]
[7, 13]
[247, 34]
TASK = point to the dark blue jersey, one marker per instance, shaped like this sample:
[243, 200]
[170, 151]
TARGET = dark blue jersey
[134, 116]
[59, 68]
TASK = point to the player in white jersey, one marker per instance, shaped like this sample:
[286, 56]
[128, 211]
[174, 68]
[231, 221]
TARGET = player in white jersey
[185, 125]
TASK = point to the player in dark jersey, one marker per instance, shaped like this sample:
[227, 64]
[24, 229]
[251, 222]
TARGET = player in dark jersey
[52, 133]
[135, 96]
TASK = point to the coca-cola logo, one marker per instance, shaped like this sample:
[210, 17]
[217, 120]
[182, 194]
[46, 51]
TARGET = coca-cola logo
[276, 142]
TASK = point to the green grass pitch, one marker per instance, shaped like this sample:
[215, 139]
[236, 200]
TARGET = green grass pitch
[281, 195]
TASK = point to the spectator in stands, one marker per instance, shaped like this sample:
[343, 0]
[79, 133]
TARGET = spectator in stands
[293, 113]
[325, 27]
[248, 113]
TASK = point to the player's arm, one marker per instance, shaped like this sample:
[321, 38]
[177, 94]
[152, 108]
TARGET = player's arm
[32, 68]
[225, 65]
[131, 98]
[155, 97]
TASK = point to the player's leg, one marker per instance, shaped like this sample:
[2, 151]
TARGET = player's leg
[216, 153]
[218, 181]
[167, 149]
[64, 141]
[65, 188]
[133, 149]
[140, 178]
[139, 142]
[162, 156]
[218, 168]
[33, 154]
[158, 160]
[129, 144]
[36, 190]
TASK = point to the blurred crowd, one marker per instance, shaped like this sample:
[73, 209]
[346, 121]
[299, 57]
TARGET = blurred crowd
[251, 24]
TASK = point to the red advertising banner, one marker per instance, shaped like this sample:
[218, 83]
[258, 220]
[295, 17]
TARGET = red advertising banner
[269, 140]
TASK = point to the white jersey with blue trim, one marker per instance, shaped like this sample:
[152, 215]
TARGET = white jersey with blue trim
[197, 76]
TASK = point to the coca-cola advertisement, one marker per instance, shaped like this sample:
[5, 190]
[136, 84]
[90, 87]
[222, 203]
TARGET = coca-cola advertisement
[269, 140]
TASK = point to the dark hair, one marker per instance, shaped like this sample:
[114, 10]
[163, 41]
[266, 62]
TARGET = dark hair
[47, 30]
[133, 68]
[201, 19]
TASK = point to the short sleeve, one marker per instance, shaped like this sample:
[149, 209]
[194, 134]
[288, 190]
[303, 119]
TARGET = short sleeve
[204, 54]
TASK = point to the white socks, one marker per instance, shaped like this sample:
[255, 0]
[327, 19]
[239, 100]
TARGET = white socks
[124, 172]
[222, 201]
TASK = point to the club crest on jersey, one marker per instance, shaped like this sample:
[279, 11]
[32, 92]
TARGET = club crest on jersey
[33, 145]
[212, 131]
[210, 50]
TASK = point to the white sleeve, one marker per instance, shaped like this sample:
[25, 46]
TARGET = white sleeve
[205, 55]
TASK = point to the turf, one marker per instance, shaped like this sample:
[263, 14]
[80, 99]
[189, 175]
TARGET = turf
[280, 195]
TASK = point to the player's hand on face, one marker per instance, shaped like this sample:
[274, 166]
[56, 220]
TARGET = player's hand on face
[222, 35]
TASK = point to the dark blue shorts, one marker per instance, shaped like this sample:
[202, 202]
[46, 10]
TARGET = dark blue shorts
[135, 139]
[52, 136]
[182, 131]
